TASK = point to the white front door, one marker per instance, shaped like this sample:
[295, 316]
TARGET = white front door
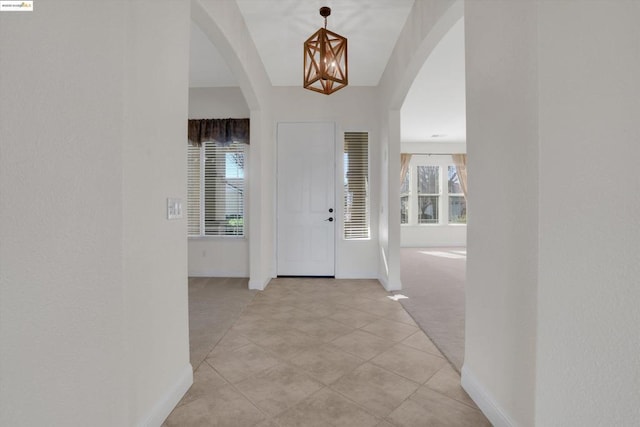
[306, 200]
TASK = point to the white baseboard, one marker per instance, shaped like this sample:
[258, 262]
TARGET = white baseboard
[170, 399]
[485, 401]
[391, 287]
[388, 285]
[383, 281]
[218, 273]
[259, 285]
[356, 275]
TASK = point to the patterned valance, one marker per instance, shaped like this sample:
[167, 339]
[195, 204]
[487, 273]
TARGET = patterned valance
[222, 131]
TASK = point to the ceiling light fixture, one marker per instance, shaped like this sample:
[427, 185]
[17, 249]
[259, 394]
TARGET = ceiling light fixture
[325, 59]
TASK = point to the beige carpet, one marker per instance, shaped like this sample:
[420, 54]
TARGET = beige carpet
[433, 279]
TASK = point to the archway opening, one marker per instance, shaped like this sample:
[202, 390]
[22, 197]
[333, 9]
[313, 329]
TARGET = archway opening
[432, 204]
[217, 202]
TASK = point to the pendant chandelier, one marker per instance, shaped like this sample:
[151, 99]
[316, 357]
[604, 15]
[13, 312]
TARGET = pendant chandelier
[325, 59]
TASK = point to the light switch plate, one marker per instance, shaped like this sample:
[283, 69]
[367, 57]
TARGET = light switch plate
[174, 208]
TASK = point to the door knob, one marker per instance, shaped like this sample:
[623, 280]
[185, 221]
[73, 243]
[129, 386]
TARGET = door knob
[330, 210]
[330, 219]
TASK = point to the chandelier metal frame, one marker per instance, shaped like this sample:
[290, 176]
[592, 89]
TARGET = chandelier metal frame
[325, 59]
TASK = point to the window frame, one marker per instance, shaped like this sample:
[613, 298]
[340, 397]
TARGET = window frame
[244, 149]
[450, 195]
[437, 195]
[443, 161]
[367, 184]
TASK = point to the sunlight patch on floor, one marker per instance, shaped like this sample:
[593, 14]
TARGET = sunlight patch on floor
[451, 255]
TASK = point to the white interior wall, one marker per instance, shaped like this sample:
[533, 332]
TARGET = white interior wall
[61, 280]
[154, 168]
[390, 209]
[430, 147]
[588, 368]
[502, 232]
[223, 23]
[352, 109]
[219, 256]
[552, 91]
[92, 275]
[262, 253]
[217, 102]
[383, 194]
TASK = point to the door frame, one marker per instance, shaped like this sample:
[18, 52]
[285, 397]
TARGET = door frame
[336, 209]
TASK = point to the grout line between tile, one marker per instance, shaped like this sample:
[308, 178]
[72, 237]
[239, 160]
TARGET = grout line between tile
[294, 305]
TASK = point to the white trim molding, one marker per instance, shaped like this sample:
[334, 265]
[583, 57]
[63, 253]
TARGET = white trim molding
[484, 400]
[259, 285]
[220, 273]
[170, 399]
[359, 274]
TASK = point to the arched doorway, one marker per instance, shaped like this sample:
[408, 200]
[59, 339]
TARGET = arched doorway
[433, 203]
[399, 77]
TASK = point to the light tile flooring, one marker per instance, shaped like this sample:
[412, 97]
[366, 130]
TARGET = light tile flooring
[324, 352]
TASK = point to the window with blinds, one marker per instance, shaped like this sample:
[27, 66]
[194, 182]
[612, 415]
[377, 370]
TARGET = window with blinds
[356, 185]
[215, 195]
[194, 184]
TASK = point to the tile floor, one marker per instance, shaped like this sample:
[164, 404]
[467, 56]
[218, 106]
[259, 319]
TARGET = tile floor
[324, 352]
[214, 306]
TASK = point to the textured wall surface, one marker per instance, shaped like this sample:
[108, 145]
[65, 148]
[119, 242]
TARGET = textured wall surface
[61, 284]
[502, 233]
[589, 291]
[154, 168]
[93, 298]
[552, 289]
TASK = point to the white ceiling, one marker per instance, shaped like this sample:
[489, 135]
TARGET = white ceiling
[280, 27]
[435, 104]
[434, 109]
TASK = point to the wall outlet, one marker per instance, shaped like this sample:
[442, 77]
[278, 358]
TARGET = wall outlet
[174, 208]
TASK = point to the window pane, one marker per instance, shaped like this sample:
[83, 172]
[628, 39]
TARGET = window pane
[457, 210]
[428, 177]
[356, 185]
[404, 210]
[234, 163]
[428, 213]
[454, 181]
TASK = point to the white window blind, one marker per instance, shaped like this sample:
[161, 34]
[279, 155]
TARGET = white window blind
[356, 185]
[216, 190]
[193, 189]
